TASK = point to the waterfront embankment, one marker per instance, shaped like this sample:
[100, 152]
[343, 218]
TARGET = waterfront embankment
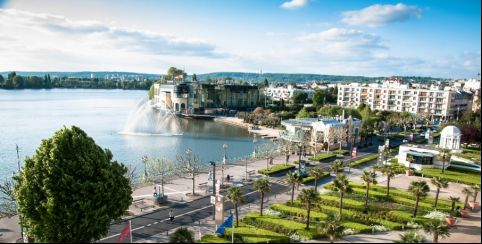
[263, 131]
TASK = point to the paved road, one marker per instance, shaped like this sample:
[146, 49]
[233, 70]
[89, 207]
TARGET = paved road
[185, 213]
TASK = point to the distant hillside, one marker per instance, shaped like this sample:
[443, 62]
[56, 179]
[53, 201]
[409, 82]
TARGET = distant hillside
[253, 77]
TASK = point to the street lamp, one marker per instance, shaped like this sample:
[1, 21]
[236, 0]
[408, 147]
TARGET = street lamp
[254, 145]
[214, 187]
[225, 146]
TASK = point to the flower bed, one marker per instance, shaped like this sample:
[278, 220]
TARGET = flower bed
[276, 169]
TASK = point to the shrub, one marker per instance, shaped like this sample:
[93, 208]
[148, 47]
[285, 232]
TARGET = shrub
[436, 215]
[299, 212]
[276, 169]
[363, 160]
[324, 156]
[279, 225]
[357, 227]
[468, 178]
[380, 228]
[271, 212]
[309, 179]
[257, 235]
[348, 231]
[212, 239]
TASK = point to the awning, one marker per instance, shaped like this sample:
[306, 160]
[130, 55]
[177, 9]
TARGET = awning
[421, 154]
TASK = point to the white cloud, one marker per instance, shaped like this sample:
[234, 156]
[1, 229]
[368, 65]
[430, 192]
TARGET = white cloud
[379, 15]
[295, 4]
[342, 43]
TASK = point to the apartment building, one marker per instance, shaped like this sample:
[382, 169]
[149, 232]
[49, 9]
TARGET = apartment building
[393, 95]
[276, 93]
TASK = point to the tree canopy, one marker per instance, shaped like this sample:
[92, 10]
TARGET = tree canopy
[70, 190]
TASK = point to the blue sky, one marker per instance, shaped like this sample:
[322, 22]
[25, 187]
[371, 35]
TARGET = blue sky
[372, 38]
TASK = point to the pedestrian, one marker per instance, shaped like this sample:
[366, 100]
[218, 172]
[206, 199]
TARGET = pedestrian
[171, 215]
[228, 177]
[271, 160]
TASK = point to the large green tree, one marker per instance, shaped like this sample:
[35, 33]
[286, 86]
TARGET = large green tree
[419, 189]
[70, 190]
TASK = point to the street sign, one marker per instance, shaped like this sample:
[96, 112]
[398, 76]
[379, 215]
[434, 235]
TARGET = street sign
[353, 152]
[213, 199]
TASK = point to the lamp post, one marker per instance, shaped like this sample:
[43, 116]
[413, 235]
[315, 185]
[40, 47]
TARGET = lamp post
[225, 146]
[246, 168]
[254, 145]
[214, 187]
[144, 160]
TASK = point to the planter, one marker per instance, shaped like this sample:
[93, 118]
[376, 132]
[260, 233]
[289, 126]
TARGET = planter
[474, 205]
[451, 221]
[464, 213]
[409, 172]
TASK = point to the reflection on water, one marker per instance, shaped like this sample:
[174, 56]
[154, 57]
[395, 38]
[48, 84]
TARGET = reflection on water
[28, 116]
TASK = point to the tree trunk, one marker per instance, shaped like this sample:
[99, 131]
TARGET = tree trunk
[453, 207]
[308, 210]
[193, 185]
[435, 237]
[316, 185]
[388, 185]
[341, 202]
[162, 185]
[366, 196]
[475, 196]
[292, 194]
[416, 206]
[237, 217]
[466, 201]
[443, 166]
[262, 200]
[332, 240]
[436, 197]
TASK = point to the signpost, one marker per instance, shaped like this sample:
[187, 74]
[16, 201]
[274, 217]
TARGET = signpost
[353, 152]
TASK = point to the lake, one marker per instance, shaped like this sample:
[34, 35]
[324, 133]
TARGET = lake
[28, 116]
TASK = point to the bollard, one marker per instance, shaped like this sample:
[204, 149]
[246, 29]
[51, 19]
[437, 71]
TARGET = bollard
[167, 233]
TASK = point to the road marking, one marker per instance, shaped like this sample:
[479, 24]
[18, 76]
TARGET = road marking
[192, 211]
[156, 223]
[148, 225]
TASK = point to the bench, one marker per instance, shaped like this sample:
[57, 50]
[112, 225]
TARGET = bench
[202, 185]
[146, 207]
[138, 201]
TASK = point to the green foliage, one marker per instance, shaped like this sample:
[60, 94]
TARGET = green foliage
[276, 169]
[309, 179]
[212, 239]
[438, 228]
[323, 156]
[298, 212]
[363, 160]
[182, 235]
[299, 97]
[303, 113]
[256, 235]
[332, 227]
[151, 92]
[70, 189]
[453, 175]
[279, 225]
[357, 227]
[411, 237]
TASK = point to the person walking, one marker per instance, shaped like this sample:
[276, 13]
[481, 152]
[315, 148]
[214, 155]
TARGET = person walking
[171, 215]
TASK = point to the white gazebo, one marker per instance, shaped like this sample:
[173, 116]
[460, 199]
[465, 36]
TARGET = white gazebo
[450, 138]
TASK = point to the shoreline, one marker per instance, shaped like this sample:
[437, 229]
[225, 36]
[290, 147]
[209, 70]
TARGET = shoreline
[270, 133]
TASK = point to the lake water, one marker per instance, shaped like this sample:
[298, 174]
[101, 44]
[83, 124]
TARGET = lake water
[28, 116]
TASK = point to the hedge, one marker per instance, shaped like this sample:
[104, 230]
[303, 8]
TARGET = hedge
[309, 179]
[322, 157]
[212, 239]
[363, 160]
[276, 169]
[357, 227]
[468, 178]
[340, 151]
[256, 235]
[280, 225]
[299, 212]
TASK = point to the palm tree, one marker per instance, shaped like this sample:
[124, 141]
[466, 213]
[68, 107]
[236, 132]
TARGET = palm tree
[419, 188]
[337, 166]
[411, 237]
[308, 197]
[475, 189]
[369, 177]
[342, 186]
[386, 153]
[389, 171]
[444, 156]
[262, 185]
[292, 180]
[454, 200]
[332, 227]
[467, 192]
[236, 197]
[181, 235]
[438, 228]
[317, 173]
[439, 182]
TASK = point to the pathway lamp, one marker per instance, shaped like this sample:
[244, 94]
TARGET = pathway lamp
[254, 145]
[225, 146]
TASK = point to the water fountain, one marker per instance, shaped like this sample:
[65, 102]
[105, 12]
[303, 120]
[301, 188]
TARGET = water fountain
[147, 121]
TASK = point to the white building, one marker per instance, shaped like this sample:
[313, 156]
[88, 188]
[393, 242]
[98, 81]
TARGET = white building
[276, 93]
[424, 156]
[323, 132]
[392, 95]
[450, 138]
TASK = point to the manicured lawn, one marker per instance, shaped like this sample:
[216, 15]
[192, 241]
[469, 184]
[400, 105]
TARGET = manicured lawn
[309, 179]
[212, 239]
[257, 235]
[280, 225]
[276, 169]
[323, 156]
[469, 178]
